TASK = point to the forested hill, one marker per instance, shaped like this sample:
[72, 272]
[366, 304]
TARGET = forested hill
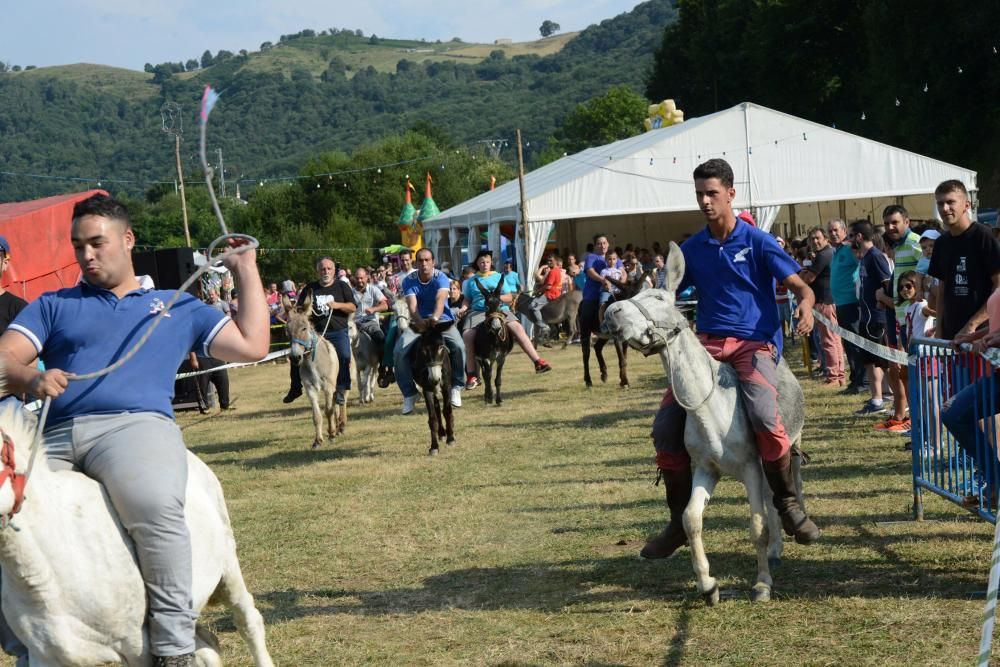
[307, 94]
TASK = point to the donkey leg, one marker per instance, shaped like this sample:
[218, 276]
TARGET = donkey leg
[449, 423]
[702, 487]
[753, 480]
[500, 362]
[318, 413]
[622, 351]
[585, 349]
[486, 366]
[433, 418]
[330, 412]
[599, 353]
[248, 620]
[341, 406]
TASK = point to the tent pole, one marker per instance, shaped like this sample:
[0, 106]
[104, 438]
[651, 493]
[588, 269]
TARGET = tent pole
[746, 143]
[525, 234]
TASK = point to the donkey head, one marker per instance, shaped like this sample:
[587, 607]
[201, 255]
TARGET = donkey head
[300, 328]
[430, 350]
[650, 320]
[493, 305]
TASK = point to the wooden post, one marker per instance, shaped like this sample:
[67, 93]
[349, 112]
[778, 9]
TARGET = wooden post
[180, 180]
[527, 272]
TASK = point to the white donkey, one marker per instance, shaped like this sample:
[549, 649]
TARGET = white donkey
[366, 360]
[717, 432]
[72, 590]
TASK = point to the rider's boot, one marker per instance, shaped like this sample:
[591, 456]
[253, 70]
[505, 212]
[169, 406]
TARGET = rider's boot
[793, 517]
[673, 537]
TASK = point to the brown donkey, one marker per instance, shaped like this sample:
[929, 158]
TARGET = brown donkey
[318, 365]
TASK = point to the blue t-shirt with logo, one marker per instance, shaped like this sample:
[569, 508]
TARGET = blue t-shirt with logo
[735, 281]
[427, 293]
[513, 281]
[489, 281]
[83, 329]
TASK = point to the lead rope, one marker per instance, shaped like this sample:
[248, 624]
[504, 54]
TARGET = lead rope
[208, 100]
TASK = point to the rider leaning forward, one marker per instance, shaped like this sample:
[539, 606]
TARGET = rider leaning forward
[734, 267]
[119, 428]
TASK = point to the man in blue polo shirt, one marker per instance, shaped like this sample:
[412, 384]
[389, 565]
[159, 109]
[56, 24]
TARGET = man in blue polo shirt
[426, 291]
[734, 267]
[119, 428]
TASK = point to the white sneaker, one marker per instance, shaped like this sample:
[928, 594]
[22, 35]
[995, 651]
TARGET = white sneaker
[409, 402]
[456, 397]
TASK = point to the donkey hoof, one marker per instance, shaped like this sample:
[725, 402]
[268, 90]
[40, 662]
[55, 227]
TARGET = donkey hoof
[711, 598]
[604, 376]
[625, 385]
[451, 443]
[773, 563]
[433, 451]
[317, 444]
[760, 593]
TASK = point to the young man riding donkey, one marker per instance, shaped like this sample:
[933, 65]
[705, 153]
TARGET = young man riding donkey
[119, 428]
[733, 266]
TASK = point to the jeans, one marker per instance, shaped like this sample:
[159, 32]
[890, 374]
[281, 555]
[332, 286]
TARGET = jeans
[404, 372]
[960, 419]
[847, 318]
[390, 344]
[218, 378]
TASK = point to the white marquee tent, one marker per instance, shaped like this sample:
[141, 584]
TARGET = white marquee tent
[791, 172]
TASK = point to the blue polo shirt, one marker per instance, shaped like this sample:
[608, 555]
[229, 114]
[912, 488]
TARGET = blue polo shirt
[513, 281]
[735, 282]
[843, 270]
[592, 288]
[84, 329]
[489, 281]
[426, 293]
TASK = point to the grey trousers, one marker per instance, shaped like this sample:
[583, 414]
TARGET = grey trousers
[141, 460]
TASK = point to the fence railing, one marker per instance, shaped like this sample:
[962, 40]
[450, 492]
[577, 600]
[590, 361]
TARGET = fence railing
[953, 410]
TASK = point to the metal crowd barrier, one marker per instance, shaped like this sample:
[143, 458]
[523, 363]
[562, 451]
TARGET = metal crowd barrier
[967, 474]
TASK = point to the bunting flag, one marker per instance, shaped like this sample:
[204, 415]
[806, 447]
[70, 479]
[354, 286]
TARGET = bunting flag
[493, 182]
[208, 101]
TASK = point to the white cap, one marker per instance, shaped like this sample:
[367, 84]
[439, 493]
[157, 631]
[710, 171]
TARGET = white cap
[931, 234]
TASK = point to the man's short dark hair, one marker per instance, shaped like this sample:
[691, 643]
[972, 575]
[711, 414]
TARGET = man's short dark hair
[104, 207]
[953, 185]
[864, 228]
[427, 250]
[601, 236]
[892, 209]
[484, 253]
[715, 168]
[407, 252]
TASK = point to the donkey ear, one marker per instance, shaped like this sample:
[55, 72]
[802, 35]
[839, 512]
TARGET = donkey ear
[306, 304]
[499, 288]
[675, 267]
[482, 290]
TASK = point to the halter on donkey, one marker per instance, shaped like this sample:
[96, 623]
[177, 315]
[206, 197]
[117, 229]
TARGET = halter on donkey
[717, 434]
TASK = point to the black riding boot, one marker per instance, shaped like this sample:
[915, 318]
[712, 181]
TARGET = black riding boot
[793, 517]
[673, 537]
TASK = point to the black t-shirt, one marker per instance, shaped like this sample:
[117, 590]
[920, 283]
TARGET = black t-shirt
[821, 267]
[339, 292]
[10, 306]
[874, 274]
[965, 265]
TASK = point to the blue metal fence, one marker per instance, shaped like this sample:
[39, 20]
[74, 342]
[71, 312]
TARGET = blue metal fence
[945, 383]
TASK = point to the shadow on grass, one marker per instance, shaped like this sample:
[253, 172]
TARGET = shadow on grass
[300, 457]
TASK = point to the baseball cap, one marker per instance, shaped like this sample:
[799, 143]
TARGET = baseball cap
[4, 245]
[747, 217]
[931, 234]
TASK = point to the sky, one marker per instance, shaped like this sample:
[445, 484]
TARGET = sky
[130, 33]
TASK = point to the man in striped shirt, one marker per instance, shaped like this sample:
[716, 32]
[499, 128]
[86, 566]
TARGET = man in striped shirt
[906, 247]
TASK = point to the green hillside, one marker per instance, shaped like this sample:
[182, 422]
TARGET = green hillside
[305, 95]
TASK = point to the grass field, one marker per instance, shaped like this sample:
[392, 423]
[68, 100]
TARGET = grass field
[519, 545]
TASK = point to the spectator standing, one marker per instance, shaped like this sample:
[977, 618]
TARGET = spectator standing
[874, 274]
[966, 261]
[217, 378]
[843, 289]
[10, 304]
[818, 277]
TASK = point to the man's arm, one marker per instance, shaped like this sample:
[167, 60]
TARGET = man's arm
[805, 299]
[439, 302]
[346, 306]
[937, 294]
[380, 307]
[20, 375]
[248, 336]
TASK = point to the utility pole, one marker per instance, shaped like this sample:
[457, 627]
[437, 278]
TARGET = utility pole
[170, 114]
[222, 174]
[527, 272]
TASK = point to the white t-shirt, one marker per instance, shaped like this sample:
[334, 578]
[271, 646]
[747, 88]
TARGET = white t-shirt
[917, 324]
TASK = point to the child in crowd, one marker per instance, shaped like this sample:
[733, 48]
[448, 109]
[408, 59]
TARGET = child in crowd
[918, 323]
[612, 277]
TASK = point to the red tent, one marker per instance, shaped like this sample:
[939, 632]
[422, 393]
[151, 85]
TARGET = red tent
[41, 255]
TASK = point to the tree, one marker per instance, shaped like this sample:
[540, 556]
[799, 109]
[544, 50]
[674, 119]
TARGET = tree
[548, 28]
[148, 68]
[374, 39]
[206, 59]
[266, 46]
[617, 114]
[191, 65]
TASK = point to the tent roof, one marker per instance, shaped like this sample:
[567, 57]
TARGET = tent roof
[776, 158]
